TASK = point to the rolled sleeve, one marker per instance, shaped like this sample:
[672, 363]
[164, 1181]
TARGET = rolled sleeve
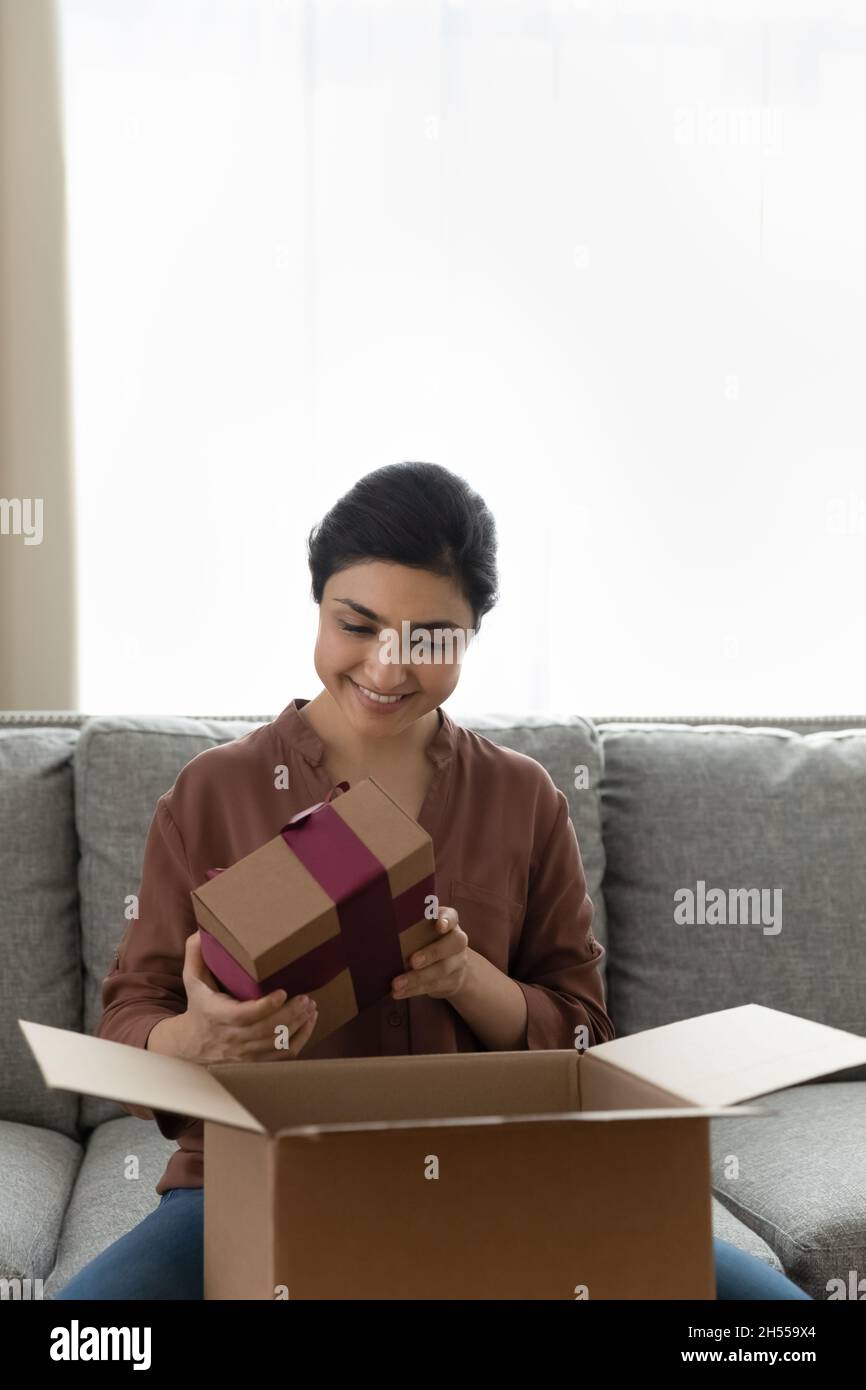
[558, 958]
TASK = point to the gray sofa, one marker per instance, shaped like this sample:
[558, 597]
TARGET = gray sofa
[657, 806]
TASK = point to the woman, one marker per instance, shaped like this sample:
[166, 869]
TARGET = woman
[516, 963]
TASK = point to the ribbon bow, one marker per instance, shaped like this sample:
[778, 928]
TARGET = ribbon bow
[299, 818]
[302, 815]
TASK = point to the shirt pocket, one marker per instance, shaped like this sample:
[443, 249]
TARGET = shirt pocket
[492, 921]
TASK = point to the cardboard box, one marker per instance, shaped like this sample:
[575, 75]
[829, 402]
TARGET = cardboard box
[333, 907]
[506, 1175]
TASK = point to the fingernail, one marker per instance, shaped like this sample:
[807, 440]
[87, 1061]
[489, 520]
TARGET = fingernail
[304, 999]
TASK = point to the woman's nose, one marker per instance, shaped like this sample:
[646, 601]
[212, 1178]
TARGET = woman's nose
[385, 677]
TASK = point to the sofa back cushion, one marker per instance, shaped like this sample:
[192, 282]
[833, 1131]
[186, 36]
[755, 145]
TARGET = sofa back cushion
[123, 765]
[691, 809]
[40, 949]
[570, 749]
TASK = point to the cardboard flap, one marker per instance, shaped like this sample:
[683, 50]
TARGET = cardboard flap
[730, 1056]
[688, 1112]
[117, 1071]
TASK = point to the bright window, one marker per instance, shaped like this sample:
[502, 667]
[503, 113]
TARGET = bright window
[607, 260]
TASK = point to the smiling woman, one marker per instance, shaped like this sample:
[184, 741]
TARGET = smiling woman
[515, 965]
[409, 548]
[412, 550]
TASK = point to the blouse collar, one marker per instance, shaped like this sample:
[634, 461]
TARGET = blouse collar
[300, 734]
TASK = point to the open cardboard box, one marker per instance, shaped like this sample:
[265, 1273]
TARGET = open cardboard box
[504, 1175]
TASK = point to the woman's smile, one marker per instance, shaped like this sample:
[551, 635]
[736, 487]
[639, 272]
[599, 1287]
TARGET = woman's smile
[378, 703]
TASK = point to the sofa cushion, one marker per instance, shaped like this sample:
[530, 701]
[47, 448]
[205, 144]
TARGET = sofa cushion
[114, 1190]
[123, 765]
[730, 1228]
[39, 1168]
[570, 749]
[798, 1179]
[726, 807]
[40, 949]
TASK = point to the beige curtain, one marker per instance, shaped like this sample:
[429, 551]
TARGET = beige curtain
[38, 669]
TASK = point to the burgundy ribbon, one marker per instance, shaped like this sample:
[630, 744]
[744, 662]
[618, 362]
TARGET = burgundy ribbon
[370, 919]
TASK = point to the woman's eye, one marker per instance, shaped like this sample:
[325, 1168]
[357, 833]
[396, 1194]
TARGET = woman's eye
[350, 627]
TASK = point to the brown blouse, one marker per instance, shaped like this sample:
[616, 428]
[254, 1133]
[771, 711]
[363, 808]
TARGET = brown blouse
[507, 859]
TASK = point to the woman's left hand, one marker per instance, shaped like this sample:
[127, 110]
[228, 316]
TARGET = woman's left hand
[439, 969]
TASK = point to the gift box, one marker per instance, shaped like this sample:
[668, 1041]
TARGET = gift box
[333, 906]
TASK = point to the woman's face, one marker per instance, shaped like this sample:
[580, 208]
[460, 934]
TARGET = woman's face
[363, 648]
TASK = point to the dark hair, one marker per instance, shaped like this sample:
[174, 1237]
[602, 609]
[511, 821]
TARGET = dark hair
[414, 514]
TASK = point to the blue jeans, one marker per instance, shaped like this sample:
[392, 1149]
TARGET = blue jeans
[163, 1257]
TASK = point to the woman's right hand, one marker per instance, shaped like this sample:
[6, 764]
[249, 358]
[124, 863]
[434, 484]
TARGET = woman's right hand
[218, 1028]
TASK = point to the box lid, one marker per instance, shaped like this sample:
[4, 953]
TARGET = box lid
[723, 1058]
